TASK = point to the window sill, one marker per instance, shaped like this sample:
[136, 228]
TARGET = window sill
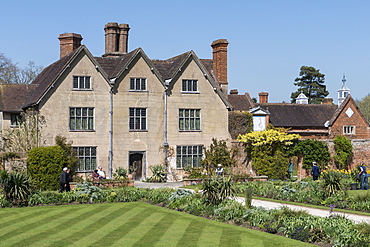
[81, 130]
[190, 130]
[138, 130]
[190, 92]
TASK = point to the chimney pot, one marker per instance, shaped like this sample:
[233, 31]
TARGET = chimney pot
[234, 91]
[68, 43]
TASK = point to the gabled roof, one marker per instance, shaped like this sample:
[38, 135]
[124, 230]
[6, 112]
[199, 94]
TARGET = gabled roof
[341, 109]
[113, 67]
[241, 102]
[299, 115]
[13, 96]
[46, 79]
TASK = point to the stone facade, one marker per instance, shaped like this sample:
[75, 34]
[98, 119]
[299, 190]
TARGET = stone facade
[112, 99]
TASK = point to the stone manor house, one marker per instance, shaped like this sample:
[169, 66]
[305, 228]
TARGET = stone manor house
[125, 110]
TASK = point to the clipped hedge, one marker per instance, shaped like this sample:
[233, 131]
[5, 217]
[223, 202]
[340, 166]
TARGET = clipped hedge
[45, 165]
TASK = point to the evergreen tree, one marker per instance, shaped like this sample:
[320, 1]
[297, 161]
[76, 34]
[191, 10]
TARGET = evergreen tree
[311, 83]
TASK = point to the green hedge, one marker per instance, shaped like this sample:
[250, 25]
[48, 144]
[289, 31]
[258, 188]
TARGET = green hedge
[45, 165]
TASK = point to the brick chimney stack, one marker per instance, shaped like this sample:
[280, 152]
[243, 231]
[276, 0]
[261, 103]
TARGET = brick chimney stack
[327, 101]
[69, 42]
[220, 62]
[263, 97]
[116, 39]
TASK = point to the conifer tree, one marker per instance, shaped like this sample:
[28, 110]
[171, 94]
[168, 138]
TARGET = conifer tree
[310, 83]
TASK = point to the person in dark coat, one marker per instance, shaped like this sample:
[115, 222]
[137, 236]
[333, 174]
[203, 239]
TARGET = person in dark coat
[315, 172]
[364, 177]
[64, 180]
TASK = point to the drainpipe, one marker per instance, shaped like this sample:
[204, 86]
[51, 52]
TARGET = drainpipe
[111, 82]
[165, 143]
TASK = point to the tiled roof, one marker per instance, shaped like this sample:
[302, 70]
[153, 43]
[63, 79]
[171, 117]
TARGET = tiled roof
[13, 96]
[299, 115]
[241, 102]
[112, 66]
[46, 78]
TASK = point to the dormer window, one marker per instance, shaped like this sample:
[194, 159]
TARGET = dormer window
[189, 85]
[81, 82]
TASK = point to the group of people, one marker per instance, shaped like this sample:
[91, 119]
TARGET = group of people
[98, 174]
[65, 178]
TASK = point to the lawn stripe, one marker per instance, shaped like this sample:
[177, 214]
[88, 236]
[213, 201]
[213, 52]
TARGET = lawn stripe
[192, 233]
[211, 236]
[101, 226]
[157, 231]
[55, 226]
[15, 215]
[124, 224]
[133, 236]
[15, 230]
[229, 238]
[173, 235]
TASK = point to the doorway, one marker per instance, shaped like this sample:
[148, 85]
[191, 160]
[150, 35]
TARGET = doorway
[136, 165]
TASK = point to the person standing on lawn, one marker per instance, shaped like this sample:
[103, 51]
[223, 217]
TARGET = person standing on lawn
[64, 180]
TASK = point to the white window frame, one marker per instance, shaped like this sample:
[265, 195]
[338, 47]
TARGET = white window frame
[81, 118]
[81, 82]
[138, 119]
[188, 155]
[189, 86]
[349, 130]
[138, 84]
[87, 158]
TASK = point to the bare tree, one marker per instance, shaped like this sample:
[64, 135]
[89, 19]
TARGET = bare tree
[27, 135]
[10, 73]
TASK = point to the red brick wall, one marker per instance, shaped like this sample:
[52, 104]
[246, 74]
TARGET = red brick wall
[362, 127]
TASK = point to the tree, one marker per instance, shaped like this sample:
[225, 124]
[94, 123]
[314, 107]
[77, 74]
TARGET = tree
[70, 156]
[268, 150]
[218, 153]
[310, 83]
[10, 73]
[27, 135]
[364, 106]
[312, 150]
[343, 151]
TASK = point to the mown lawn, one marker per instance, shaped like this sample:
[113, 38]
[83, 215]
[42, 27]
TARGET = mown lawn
[123, 224]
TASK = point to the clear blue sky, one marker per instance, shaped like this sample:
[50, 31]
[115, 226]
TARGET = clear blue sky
[269, 40]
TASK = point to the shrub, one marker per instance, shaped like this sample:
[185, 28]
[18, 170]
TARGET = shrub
[121, 173]
[86, 192]
[158, 174]
[45, 165]
[343, 151]
[16, 187]
[331, 182]
[216, 189]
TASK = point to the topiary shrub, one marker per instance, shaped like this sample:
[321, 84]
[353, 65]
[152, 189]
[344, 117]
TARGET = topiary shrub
[45, 165]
